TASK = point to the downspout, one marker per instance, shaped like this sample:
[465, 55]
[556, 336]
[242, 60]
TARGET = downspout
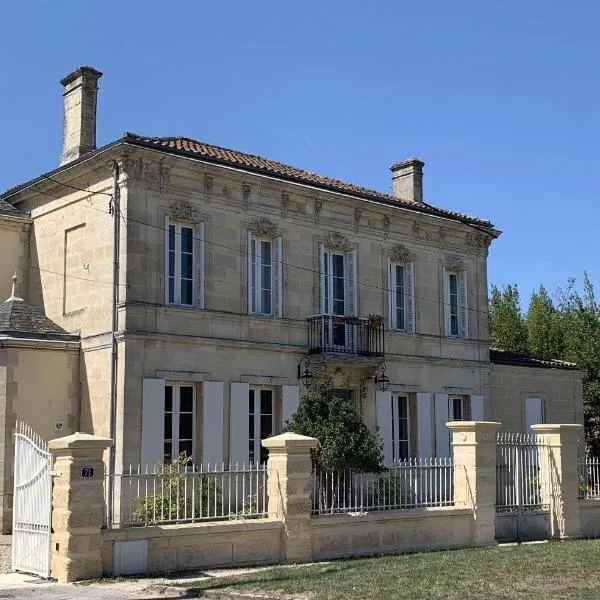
[116, 213]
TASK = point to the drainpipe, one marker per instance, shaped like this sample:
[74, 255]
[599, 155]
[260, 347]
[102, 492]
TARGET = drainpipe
[116, 213]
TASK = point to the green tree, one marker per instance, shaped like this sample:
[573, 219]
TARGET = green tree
[507, 326]
[345, 442]
[545, 338]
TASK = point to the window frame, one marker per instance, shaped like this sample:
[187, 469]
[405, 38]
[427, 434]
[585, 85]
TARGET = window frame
[255, 276]
[328, 276]
[462, 320]
[178, 226]
[396, 441]
[257, 415]
[408, 292]
[175, 412]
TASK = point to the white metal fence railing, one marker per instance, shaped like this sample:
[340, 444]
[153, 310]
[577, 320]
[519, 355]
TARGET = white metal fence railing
[414, 483]
[179, 493]
[518, 460]
[589, 478]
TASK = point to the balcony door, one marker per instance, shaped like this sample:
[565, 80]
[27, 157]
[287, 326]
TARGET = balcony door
[335, 300]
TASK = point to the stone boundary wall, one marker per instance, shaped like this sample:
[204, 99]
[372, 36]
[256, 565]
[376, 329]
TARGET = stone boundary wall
[589, 515]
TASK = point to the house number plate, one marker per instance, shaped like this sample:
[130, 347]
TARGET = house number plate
[87, 472]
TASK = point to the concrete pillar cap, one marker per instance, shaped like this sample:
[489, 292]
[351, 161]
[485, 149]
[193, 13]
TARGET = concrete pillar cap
[473, 425]
[290, 441]
[79, 441]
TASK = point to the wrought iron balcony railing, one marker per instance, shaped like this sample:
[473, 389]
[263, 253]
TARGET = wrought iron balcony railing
[346, 335]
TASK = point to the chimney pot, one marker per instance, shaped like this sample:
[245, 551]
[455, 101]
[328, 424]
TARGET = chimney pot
[407, 180]
[79, 116]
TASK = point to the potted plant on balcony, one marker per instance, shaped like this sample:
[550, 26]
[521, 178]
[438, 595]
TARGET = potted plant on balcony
[353, 320]
[338, 320]
[375, 321]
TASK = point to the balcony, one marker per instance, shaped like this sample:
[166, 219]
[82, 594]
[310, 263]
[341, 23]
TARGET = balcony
[346, 335]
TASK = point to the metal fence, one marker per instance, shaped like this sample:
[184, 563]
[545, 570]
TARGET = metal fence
[413, 483]
[589, 478]
[176, 493]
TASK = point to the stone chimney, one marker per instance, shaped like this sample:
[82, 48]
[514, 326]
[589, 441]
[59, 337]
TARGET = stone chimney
[79, 119]
[407, 180]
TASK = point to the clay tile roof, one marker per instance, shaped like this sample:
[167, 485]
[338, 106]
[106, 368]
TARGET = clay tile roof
[506, 357]
[18, 319]
[255, 163]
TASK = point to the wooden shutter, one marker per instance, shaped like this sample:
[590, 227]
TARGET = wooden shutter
[238, 423]
[322, 281]
[249, 273]
[477, 408]
[384, 422]
[290, 398]
[442, 436]
[350, 283]
[199, 265]
[424, 425]
[534, 412]
[463, 324]
[153, 423]
[212, 422]
[409, 286]
[277, 279]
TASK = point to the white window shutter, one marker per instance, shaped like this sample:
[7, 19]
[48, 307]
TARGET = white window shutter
[153, 423]
[277, 267]
[322, 282]
[409, 287]
[166, 273]
[462, 304]
[534, 412]
[384, 422]
[446, 292]
[199, 265]
[238, 424]
[290, 399]
[350, 283]
[424, 425]
[477, 408]
[249, 273]
[442, 435]
[391, 294]
[212, 422]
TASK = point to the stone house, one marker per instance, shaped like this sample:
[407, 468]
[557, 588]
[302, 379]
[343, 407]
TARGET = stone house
[202, 286]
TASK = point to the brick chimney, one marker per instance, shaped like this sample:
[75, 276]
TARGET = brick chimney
[407, 179]
[79, 119]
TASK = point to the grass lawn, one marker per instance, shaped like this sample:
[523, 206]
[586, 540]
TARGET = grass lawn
[547, 571]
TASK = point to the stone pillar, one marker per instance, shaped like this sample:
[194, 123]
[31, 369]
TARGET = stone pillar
[288, 484]
[559, 476]
[77, 506]
[474, 446]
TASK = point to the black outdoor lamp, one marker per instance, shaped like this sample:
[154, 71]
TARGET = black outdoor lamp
[381, 379]
[304, 374]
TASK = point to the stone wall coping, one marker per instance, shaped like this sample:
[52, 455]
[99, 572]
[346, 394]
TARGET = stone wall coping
[290, 440]
[191, 529]
[473, 425]
[389, 515]
[80, 441]
[557, 428]
[589, 503]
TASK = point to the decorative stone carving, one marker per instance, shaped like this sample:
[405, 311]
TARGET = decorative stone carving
[263, 227]
[401, 254]
[357, 215]
[300, 208]
[148, 171]
[226, 191]
[208, 183]
[183, 211]
[386, 225]
[285, 203]
[443, 234]
[246, 192]
[337, 241]
[478, 240]
[454, 263]
[318, 208]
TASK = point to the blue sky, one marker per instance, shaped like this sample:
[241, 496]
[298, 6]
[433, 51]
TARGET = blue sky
[500, 99]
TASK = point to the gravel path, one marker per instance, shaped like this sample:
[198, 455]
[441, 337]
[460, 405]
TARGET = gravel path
[5, 557]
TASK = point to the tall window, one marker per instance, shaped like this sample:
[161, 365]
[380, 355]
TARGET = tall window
[335, 283]
[400, 428]
[179, 420]
[455, 303]
[401, 296]
[261, 276]
[457, 408]
[261, 421]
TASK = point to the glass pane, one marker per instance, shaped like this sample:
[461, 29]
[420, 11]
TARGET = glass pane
[171, 289]
[171, 263]
[187, 266]
[402, 407]
[186, 427]
[265, 250]
[186, 399]
[251, 451]
[187, 239]
[168, 398]
[453, 285]
[266, 426]
[457, 409]
[168, 452]
[168, 431]
[400, 276]
[186, 292]
[454, 325]
[338, 266]
[404, 450]
[186, 447]
[251, 402]
[266, 402]
[171, 237]
[400, 318]
[266, 301]
[347, 395]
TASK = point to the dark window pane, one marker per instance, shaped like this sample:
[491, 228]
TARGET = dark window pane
[265, 248]
[251, 402]
[186, 395]
[187, 237]
[168, 398]
[266, 426]
[187, 266]
[338, 289]
[402, 407]
[266, 402]
[171, 289]
[186, 291]
[172, 264]
[264, 455]
[251, 452]
[338, 266]
[453, 285]
[168, 452]
[454, 325]
[171, 237]
[251, 426]
[399, 276]
[404, 450]
[186, 447]
[347, 395]
[186, 427]
[266, 301]
[168, 426]
[338, 307]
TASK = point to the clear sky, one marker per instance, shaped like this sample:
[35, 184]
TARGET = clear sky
[501, 99]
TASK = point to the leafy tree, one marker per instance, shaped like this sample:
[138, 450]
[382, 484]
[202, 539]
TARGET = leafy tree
[545, 337]
[507, 326]
[345, 442]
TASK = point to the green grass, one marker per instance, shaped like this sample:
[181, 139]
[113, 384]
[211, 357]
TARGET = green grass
[548, 571]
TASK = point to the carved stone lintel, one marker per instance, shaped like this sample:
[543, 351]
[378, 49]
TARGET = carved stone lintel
[285, 203]
[183, 211]
[337, 241]
[454, 263]
[401, 254]
[263, 227]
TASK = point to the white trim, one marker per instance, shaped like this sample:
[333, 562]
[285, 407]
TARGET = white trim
[177, 267]
[256, 273]
[212, 422]
[409, 296]
[258, 418]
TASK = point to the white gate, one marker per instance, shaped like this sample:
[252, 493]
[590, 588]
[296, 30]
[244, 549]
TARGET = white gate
[31, 503]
